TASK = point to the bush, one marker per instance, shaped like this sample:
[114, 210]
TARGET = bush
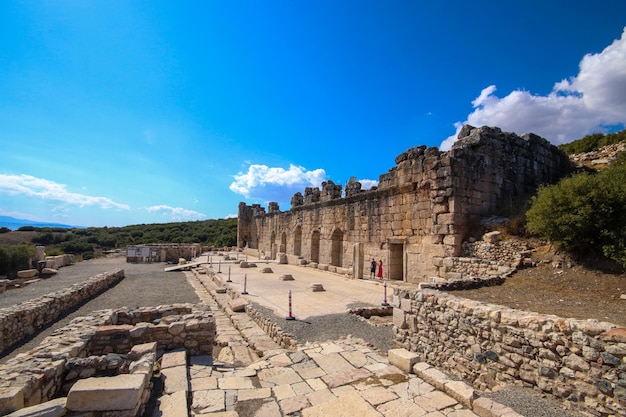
[582, 213]
[15, 257]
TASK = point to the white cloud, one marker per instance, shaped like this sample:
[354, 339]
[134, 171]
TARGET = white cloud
[176, 214]
[367, 184]
[30, 186]
[275, 184]
[586, 103]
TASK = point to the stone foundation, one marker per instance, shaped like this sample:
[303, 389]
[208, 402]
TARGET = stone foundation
[101, 344]
[24, 319]
[488, 345]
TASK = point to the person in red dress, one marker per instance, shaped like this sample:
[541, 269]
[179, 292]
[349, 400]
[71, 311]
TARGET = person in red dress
[380, 269]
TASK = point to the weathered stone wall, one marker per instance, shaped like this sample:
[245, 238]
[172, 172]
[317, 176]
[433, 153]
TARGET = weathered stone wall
[422, 210]
[45, 372]
[583, 361]
[24, 319]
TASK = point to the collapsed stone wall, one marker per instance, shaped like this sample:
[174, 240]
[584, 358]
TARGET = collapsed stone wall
[583, 361]
[24, 319]
[421, 210]
[49, 369]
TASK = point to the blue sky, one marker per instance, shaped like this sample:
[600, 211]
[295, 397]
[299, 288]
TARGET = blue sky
[126, 112]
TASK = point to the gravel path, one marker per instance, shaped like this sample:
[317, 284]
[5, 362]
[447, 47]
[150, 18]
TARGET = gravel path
[144, 285]
[332, 327]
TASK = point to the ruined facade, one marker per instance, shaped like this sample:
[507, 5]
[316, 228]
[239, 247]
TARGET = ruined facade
[421, 211]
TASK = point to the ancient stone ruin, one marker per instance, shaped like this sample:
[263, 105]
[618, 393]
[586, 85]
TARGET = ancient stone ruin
[420, 213]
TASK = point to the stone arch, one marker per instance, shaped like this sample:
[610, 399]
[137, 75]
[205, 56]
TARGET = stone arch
[297, 241]
[315, 246]
[283, 243]
[336, 249]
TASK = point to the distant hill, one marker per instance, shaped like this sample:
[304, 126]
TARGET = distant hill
[14, 224]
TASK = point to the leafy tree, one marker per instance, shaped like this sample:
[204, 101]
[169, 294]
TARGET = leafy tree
[585, 212]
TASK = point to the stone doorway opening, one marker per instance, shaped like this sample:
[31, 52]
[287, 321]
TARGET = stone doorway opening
[396, 261]
[336, 255]
[315, 246]
[297, 242]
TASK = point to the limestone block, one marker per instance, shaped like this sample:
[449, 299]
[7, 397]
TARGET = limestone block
[238, 304]
[53, 408]
[461, 392]
[286, 277]
[175, 358]
[27, 273]
[138, 351]
[49, 271]
[11, 399]
[174, 405]
[120, 392]
[317, 287]
[346, 405]
[175, 379]
[399, 319]
[486, 407]
[492, 237]
[267, 270]
[402, 359]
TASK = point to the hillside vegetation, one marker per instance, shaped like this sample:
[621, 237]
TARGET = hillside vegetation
[593, 142]
[86, 242]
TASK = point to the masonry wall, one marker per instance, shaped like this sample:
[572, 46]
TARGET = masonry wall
[44, 372]
[24, 319]
[487, 345]
[422, 210]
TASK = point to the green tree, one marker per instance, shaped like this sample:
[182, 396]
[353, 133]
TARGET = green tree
[585, 212]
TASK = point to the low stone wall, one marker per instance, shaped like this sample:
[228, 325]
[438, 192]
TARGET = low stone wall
[487, 258]
[24, 319]
[488, 345]
[48, 370]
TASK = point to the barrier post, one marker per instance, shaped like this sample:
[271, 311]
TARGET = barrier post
[219, 266]
[228, 280]
[245, 284]
[290, 316]
[385, 303]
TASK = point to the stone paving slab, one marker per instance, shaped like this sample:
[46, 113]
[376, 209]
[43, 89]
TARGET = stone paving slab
[333, 378]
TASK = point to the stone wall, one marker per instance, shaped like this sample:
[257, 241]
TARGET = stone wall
[422, 209]
[47, 371]
[24, 319]
[583, 361]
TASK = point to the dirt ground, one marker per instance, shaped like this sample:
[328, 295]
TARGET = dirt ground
[567, 290]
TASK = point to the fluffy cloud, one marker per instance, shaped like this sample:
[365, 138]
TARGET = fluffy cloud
[176, 214]
[367, 184]
[586, 103]
[30, 186]
[275, 184]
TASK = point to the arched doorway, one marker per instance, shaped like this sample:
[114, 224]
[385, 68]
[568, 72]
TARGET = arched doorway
[315, 246]
[273, 246]
[336, 249]
[283, 243]
[297, 241]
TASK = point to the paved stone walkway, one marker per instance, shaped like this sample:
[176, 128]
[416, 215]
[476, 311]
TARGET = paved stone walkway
[252, 376]
[267, 288]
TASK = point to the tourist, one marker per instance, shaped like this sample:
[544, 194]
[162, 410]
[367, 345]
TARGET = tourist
[380, 269]
[373, 268]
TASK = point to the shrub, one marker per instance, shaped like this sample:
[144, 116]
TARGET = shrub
[585, 212]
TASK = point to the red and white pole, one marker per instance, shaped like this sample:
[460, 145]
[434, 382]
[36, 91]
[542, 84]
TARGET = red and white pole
[290, 316]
